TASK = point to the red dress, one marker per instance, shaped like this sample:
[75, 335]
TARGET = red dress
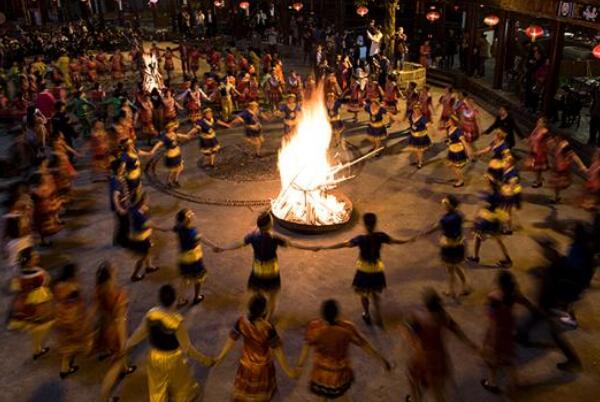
[561, 171]
[447, 102]
[429, 365]
[468, 121]
[332, 374]
[391, 95]
[499, 344]
[111, 303]
[538, 149]
[255, 379]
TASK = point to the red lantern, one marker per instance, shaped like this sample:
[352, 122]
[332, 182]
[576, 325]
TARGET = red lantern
[244, 5]
[534, 32]
[433, 16]
[219, 3]
[362, 11]
[596, 52]
[297, 6]
[491, 20]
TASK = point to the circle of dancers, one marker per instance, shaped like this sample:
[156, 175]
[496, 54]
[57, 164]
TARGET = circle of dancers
[258, 88]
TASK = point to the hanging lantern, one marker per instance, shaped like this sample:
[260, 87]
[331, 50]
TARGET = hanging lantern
[491, 20]
[362, 10]
[596, 52]
[433, 16]
[219, 3]
[153, 2]
[297, 6]
[534, 32]
[456, 8]
[244, 5]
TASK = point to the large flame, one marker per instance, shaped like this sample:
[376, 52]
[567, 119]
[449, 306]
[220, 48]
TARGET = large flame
[305, 170]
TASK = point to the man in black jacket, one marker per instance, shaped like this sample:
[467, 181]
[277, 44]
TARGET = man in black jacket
[506, 123]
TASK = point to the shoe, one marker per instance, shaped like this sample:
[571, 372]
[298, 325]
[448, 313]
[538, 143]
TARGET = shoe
[505, 263]
[127, 371]
[458, 185]
[41, 353]
[474, 260]
[137, 278]
[367, 319]
[569, 366]
[198, 300]
[65, 374]
[149, 270]
[491, 388]
[569, 321]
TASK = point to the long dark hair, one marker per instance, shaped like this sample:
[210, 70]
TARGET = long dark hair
[257, 307]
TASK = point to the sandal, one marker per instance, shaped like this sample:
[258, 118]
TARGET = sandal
[198, 300]
[72, 369]
[367, 319]
[474, 260]
[127, 371]
[491, 388]
[41, 353]
[137, 278]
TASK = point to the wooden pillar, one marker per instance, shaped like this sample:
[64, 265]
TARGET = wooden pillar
[472, 9]
[555, 56]
[501, 31]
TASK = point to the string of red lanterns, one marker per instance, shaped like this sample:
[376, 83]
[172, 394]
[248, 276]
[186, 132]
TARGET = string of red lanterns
[433, 16]
[534, 32]
[362, 10]
[491, 20]
[596, 52]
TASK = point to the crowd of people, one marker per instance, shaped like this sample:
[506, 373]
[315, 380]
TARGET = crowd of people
[113, 108]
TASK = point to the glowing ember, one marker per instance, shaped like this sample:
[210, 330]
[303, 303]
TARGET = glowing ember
[307, 176]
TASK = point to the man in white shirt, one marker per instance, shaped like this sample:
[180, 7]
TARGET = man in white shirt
[375, 36]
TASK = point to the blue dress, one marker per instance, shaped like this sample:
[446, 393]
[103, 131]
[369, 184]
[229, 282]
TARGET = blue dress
[452, 242]
[370, 276]
[208, 136]
[419, 136]
[139, 231]
[133, 172]
[252, 124]
[376, 126]
[173, 159]
[495, 169]
[289, 116]
[457, 155]
[191, 265]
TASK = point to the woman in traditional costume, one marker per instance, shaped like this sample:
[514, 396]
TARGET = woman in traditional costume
[72, 327]
[206, 130]
[458, 150]
[255, 379]
[369, 280]
[564, 158]
[32, 309]
[330, 337]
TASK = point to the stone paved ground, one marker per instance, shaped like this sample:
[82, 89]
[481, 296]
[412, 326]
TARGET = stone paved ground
[406, 200]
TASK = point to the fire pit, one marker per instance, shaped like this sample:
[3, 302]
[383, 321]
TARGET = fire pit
[309, 201]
